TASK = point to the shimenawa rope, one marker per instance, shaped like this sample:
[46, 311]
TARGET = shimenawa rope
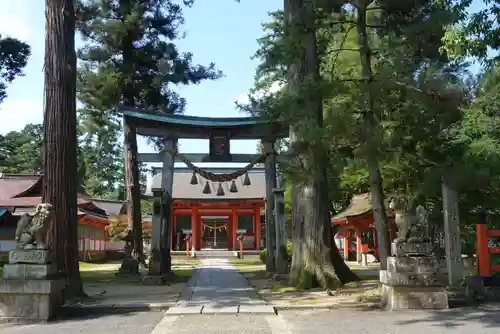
[217, 177]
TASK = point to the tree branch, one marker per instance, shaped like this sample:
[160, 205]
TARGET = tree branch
[344, 38]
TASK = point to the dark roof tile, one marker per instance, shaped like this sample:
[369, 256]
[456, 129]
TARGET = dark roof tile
[183, 189]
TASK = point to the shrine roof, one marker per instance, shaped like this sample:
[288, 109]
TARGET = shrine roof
[184, 190]
[13, 185]
[182, 126]
[111, 207]
[360, 204]
[23, 192]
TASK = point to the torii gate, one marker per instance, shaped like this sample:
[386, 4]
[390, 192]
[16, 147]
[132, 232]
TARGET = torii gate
[219, 131]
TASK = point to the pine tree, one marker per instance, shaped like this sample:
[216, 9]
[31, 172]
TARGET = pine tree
[14, 56]
[129, 58]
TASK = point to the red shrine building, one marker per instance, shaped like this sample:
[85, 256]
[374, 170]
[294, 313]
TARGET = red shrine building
[215, 218]
[356, 232]
[21, 193]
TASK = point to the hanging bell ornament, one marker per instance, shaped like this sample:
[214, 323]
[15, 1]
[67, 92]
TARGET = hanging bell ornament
[206, 188]
[194, 178]
[233, 187]
[246, 180]
[220, 191]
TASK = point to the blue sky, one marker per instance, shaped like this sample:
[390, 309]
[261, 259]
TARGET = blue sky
[222, 31]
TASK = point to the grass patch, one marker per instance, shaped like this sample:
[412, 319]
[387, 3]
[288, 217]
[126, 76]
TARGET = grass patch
[285, 289]
[176, 261]
[108, 276]
[245, 262]
[90, 265]
[253, 273]
[179, 276]
[111, 277]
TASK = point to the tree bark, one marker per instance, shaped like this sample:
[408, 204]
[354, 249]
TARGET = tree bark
[60, 141]
[378, 206]
[312, 238]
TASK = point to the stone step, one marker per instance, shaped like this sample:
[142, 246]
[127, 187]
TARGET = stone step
[226, 309]
[218, 254]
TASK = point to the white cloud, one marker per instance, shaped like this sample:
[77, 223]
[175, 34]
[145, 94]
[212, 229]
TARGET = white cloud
[15, 114]
[244, 99]
[14, 21]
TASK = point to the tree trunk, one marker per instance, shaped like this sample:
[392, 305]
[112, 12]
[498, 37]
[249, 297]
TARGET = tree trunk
[378, 206]
[60, 152]
[312, 238]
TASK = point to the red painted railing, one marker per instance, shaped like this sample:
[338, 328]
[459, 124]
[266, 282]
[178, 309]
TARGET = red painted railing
[483, 251]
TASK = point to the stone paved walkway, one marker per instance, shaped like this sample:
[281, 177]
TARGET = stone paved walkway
[217, 287]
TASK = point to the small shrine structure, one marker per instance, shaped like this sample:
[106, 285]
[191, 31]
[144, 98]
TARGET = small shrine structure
[219, 193]
[357, 229]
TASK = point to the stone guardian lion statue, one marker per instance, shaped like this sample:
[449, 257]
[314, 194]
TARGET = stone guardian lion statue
[31, 232]
[411, 222]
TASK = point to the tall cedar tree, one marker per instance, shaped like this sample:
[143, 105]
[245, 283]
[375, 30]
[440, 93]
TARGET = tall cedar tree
[312, 257]
[60, 143]
[13, 58]
[129, 58]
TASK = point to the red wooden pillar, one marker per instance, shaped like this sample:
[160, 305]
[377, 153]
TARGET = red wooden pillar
[358, 245]
[257, 228]
[195, 227]
[482, 253]
[229, 231]
[346, 245]
[105, 238]
[234, 228]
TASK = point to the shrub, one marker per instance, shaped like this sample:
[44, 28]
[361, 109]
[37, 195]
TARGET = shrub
[263, 255]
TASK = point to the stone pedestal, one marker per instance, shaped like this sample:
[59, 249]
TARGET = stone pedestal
[30, 290]
[410, 281]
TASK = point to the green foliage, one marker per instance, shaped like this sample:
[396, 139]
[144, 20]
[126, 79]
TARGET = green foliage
[431, 113]
[21, 151]
[477, 35]
[13, 58]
